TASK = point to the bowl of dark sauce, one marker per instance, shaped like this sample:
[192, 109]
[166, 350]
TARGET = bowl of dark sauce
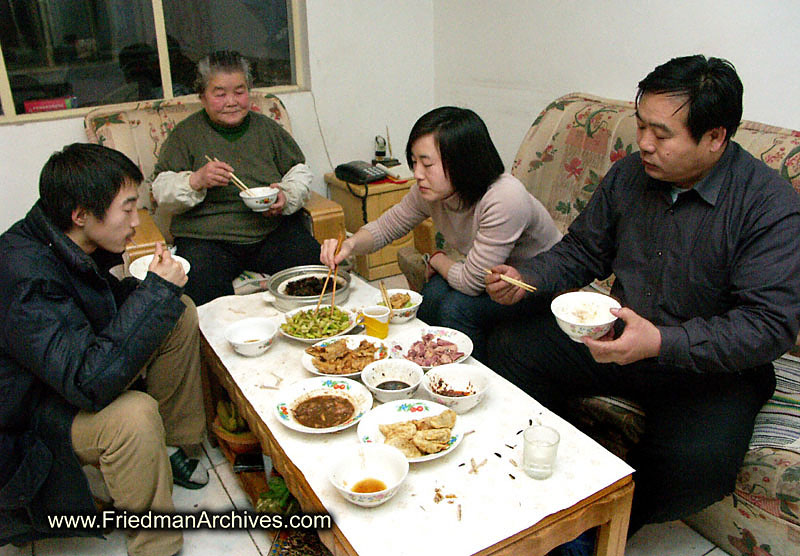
[392, 379]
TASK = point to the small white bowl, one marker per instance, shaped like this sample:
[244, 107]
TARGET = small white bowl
[459, 377]
[251, 337]
[259, 199]
[385, 370]
[406, 313]
[379, 462]
[584, 313]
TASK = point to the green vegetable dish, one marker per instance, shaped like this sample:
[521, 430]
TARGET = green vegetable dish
[305, 324]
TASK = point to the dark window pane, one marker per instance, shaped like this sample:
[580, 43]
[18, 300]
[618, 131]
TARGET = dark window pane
[66, 53]
[256, 28]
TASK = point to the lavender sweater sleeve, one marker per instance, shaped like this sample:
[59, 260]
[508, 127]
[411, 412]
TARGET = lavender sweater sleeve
[506, 225]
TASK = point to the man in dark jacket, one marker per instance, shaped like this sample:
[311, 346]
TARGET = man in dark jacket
[703, 241]
[92, 370]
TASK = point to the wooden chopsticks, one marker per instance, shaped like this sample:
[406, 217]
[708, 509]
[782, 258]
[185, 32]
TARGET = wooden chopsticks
[236, 181]
[513, 281]
[385, 295]
[339, 242]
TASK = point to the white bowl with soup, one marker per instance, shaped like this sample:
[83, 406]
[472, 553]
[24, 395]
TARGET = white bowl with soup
[369, 474]
[251, 337]
[583, 313]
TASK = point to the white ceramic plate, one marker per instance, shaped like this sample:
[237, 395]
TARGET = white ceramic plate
[401, 344]
[138, 268]
[405, 410]
[353, 322]
[353, 341]
[289, 397]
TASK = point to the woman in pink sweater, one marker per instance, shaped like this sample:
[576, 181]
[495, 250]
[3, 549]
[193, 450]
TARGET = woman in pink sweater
[483, 213]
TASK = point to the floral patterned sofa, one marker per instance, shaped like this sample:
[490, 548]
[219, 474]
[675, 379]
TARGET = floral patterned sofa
[139, 129]
[567, 151]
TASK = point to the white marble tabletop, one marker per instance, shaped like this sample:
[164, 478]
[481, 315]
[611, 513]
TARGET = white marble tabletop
[488, 506]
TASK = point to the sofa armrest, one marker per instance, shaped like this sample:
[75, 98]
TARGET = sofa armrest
[322, 217]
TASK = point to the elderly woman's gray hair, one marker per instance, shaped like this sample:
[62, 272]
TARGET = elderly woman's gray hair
[222, 61]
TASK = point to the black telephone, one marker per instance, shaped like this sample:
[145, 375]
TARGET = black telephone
[359, 172]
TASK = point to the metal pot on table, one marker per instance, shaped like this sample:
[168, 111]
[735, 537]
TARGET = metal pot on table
[276, 287]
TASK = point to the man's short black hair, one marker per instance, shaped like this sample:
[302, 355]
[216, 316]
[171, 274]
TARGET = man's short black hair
[469, 158]
[83, 175]
[712, 89]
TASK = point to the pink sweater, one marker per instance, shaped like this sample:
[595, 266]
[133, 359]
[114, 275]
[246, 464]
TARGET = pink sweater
[507, 225]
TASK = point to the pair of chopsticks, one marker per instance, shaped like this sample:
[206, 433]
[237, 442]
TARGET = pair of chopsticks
[385, 295]
[236, 181]
[334, 270]
[513, 281]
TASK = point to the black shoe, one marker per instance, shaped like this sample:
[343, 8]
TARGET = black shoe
[187, 472]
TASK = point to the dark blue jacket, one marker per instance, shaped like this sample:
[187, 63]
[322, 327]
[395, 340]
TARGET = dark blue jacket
[71, 337]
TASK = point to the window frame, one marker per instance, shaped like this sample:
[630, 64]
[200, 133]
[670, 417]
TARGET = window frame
[298, 52]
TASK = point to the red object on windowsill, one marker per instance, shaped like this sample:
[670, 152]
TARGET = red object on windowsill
[50, 104]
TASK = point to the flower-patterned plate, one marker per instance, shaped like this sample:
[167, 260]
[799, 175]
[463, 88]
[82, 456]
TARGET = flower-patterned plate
[288, 399]
[405, 410]
[353, 341]
[403, 343]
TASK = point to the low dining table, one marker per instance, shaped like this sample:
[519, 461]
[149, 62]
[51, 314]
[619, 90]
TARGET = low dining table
[476, 499]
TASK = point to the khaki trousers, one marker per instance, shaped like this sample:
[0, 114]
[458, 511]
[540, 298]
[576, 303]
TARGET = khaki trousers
[128, 438]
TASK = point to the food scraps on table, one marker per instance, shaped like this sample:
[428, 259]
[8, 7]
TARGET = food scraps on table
[323, 411]
[326, 322]
[431, 351]
[419, 437]
[338, 359]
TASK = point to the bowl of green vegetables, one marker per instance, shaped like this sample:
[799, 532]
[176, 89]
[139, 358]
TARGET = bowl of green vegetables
[310, 325]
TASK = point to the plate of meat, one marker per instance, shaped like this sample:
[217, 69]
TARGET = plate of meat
[343, 355]
[432, 346]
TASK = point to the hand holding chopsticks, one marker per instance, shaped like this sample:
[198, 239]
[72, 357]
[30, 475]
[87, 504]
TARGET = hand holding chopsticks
[236, 181]
[513, 281]
[339, 242]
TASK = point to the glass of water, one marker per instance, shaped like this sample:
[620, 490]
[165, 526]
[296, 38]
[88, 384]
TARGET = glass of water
[539, 450]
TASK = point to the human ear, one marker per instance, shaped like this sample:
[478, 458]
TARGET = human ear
[717, 138]
[79, 215]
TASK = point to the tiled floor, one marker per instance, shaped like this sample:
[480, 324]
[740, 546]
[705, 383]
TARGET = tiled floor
[223, 492]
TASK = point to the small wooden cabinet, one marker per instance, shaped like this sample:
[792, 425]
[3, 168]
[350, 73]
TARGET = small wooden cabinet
[365, 203]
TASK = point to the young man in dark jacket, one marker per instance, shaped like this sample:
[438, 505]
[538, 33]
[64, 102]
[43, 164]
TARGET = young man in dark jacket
[92, 370]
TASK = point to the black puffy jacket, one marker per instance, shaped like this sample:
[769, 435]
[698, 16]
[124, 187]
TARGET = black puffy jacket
[66, 343]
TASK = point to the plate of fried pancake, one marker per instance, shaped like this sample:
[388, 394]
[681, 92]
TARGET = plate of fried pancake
[421, 429]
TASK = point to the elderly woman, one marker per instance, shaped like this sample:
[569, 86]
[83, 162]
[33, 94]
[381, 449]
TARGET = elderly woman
[485, 214]
[212, 227]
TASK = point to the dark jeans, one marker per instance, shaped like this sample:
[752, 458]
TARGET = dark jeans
[216, 263]
[472, 315]
[697, 425]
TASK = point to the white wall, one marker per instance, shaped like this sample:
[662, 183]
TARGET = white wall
[378, 63]
[507, 60]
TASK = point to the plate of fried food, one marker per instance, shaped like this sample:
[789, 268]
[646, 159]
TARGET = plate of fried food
[344, 355]
[421, 429]
[432, 346]
[310, 325]
[320, 405]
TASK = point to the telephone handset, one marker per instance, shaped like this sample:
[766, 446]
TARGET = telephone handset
[359, 172]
